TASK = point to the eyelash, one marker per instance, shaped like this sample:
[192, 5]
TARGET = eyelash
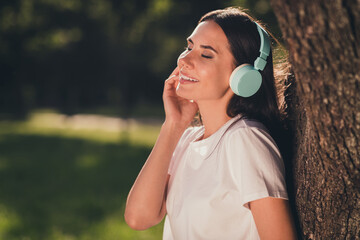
[204, 56]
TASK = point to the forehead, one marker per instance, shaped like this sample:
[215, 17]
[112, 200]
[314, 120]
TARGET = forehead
[210, 33]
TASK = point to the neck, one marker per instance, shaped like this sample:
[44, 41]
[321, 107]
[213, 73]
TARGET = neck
[213, 114]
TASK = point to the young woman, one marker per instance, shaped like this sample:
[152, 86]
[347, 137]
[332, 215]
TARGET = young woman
[224, 179]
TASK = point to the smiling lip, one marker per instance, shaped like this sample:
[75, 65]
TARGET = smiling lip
[184, 79]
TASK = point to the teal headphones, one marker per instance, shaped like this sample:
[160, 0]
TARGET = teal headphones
[246, 79]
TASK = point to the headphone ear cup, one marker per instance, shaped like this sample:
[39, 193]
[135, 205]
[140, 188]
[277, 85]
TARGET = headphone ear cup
[245, 80]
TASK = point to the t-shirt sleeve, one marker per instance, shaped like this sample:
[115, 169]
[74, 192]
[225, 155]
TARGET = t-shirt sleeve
[176, 156]
[257, 165]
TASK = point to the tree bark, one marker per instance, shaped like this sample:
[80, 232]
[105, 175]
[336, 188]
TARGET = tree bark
[323, 39]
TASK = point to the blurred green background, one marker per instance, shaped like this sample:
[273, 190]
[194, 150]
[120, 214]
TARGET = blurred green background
[80, 107]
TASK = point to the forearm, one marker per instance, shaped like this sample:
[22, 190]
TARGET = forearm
[146, 197]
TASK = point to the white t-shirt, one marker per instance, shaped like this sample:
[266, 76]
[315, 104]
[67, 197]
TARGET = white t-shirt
[213, 180]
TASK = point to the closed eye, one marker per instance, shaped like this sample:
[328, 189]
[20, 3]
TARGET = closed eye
[204, 56]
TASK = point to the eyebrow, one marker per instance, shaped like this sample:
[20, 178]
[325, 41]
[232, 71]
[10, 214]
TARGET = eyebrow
[203, 46]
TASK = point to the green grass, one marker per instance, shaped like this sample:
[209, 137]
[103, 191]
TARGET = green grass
[62, 183]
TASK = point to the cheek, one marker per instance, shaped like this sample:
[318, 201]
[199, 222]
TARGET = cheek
[214, 75]
[204, 71]
[226, 71]
[221, 76]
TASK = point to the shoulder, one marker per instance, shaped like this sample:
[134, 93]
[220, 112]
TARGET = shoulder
[247, 127]
[250, 135]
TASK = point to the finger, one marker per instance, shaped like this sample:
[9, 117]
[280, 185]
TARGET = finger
[170, 83]
[171, 77]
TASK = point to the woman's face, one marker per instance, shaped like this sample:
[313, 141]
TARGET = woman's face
[206, 65]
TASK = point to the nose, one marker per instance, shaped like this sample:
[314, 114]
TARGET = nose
[185, 61]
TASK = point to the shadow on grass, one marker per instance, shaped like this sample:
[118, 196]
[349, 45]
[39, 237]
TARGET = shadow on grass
[66, 184]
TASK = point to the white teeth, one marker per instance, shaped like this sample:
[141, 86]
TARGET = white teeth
[189, 79]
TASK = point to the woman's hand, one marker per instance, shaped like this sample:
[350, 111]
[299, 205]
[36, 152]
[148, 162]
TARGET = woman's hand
[146, 203]
[178, 110]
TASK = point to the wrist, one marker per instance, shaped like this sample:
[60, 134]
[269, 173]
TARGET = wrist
[174, 127]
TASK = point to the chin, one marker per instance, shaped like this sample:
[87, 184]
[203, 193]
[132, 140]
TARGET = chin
[185, 94]
[182, 92]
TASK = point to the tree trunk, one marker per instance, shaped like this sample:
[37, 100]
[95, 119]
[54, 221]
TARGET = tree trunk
[323, 39]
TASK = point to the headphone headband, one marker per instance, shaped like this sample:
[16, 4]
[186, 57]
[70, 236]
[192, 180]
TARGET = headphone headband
[260, 61]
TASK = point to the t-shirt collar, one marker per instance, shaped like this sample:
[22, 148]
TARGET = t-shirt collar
[206, 146]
